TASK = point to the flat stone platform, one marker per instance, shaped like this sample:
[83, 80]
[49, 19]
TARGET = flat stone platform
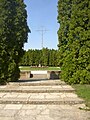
[40, 74]
[42, 112]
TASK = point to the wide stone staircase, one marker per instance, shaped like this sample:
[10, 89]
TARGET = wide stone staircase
[52, 92]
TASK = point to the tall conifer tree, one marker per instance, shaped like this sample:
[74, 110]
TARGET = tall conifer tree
[13, 35]
[76, 57]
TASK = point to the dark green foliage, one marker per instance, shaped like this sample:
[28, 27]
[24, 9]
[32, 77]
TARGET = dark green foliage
[74, 40]
[45, 57]
[13, 35]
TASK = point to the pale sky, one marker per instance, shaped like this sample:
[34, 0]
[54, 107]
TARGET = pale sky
[42, 13]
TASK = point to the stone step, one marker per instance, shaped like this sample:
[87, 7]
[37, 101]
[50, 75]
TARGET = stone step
[40, 98]
[34, 82]
[40, 102]
[37, 89]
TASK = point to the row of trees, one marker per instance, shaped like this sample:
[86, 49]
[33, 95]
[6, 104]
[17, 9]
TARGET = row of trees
[45, 57]
[74, 40]
[13, 35]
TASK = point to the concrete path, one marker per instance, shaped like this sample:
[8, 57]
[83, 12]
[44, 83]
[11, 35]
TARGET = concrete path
[41, 100]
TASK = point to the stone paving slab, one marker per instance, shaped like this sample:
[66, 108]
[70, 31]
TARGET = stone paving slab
[7, 118]
[43, 112]
[7, 113]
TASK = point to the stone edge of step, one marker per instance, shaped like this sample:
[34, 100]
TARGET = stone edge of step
[39, 91]
[62, 102]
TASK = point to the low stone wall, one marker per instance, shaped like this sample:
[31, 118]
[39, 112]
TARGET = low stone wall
[39, 74]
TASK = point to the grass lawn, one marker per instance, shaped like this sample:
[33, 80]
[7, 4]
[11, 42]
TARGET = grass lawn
[83, 91]
[37, 68]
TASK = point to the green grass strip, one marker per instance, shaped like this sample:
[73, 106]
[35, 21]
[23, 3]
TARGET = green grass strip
[37, 68]
[83, 91]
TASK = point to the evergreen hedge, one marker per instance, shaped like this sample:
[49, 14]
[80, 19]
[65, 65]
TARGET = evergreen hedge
[74, 40]
[13, 35]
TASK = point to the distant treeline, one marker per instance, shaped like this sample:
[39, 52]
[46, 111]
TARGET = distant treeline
[45, 57]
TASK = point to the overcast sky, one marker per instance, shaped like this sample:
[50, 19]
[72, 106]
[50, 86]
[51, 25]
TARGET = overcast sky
[42, 14]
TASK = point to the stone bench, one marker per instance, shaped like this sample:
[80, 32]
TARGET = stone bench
[53, 74]
[25, 74]
[40, 74]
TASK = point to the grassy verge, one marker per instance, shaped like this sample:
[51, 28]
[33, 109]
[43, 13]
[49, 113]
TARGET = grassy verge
[41, 68]
[83, 91]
